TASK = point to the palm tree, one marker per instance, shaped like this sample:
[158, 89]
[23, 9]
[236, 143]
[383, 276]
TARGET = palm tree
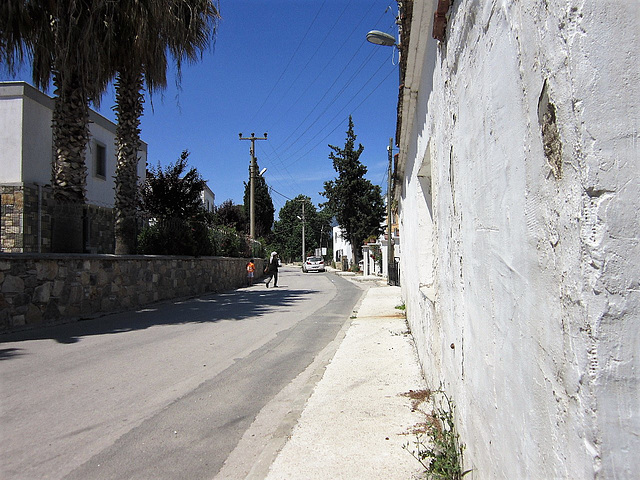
[145, 34]
[63, 41]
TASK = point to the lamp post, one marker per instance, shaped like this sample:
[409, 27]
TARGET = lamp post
[303, 241]
[390, 257]
[253, 167]
[380, 38]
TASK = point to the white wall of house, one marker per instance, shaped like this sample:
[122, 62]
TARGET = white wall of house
[208, 199]
[25, 134]
[520, 270]
[341, 247]
[11, 120]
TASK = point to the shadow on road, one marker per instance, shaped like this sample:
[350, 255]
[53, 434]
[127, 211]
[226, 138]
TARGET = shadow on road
[234, 306]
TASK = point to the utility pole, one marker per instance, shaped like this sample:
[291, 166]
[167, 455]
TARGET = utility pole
[390, 259]
[253, 168]
[301, 218]
[303, 245]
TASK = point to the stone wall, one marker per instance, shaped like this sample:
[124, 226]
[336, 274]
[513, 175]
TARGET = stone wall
[26, 216]
[19, 218]
[50, 289]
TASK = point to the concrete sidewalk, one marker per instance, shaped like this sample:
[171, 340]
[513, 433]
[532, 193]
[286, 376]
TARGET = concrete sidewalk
[356, 421]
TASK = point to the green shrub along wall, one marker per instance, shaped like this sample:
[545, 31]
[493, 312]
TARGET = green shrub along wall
[48, 289]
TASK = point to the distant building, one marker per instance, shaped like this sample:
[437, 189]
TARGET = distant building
[208, 199]
[342, 252]
[375, 254]
[25, 172]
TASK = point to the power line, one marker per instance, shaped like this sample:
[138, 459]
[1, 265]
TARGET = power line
[289, 62]
[334, 117]
[281, 194]
[303, 69]
[338, 77]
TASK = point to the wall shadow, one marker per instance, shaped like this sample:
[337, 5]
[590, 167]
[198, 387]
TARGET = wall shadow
[234, 305]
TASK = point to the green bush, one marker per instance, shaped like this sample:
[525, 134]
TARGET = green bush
[175, 237]
[228, 243]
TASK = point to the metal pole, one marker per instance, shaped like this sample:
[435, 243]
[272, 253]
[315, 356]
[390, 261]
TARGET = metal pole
[390, 260]
[303, 245]
[252, 194]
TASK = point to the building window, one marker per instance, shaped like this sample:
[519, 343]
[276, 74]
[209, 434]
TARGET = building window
[101, 161]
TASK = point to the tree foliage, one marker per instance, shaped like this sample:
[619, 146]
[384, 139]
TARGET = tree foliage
[264, 209]
[356, 203]
[179, 221]
[174, 192]
[227, 214]
[287, 231]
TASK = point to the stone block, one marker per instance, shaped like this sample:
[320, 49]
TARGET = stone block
[42, 293]
[107, 304]
[18, 320]
[30, 282]
[12, 284]
[47, 270]
[58, 288]
[33, 315]
[51, 311]
[20, 300]
[76, 295]
[102, 278]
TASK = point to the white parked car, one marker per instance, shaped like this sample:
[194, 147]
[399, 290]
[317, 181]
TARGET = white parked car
[313, 264]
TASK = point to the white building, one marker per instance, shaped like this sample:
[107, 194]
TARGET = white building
[519, 192]
[25, 160]
[375, 255]
[341, 248]
[208, 199]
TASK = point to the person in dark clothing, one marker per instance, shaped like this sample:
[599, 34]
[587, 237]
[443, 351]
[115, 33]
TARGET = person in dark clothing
[272, 269]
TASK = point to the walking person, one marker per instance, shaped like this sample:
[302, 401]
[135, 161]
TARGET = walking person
[251, 268]
[272, 269]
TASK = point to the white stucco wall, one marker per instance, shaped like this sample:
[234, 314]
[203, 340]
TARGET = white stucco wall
[10, 139]
[528, 308]
[25, 135]
[340, 244]
[36, 137]
[208, 199]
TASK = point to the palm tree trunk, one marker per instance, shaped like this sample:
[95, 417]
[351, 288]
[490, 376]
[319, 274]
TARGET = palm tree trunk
[69, 173]
[129, 109]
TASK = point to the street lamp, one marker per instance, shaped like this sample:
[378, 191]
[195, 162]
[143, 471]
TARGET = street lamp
[380, 38]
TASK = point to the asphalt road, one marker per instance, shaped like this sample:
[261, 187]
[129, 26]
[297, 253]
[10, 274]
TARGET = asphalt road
[165, 392]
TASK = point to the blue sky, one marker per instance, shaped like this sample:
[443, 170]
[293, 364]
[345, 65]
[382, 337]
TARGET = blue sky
[295, 69]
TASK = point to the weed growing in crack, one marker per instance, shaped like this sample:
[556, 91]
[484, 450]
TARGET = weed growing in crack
[436, 446]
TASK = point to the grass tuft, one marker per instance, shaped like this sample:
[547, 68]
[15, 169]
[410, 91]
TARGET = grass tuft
[436, 445]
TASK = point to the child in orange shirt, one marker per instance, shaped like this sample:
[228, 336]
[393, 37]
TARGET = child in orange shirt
[251, 268]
